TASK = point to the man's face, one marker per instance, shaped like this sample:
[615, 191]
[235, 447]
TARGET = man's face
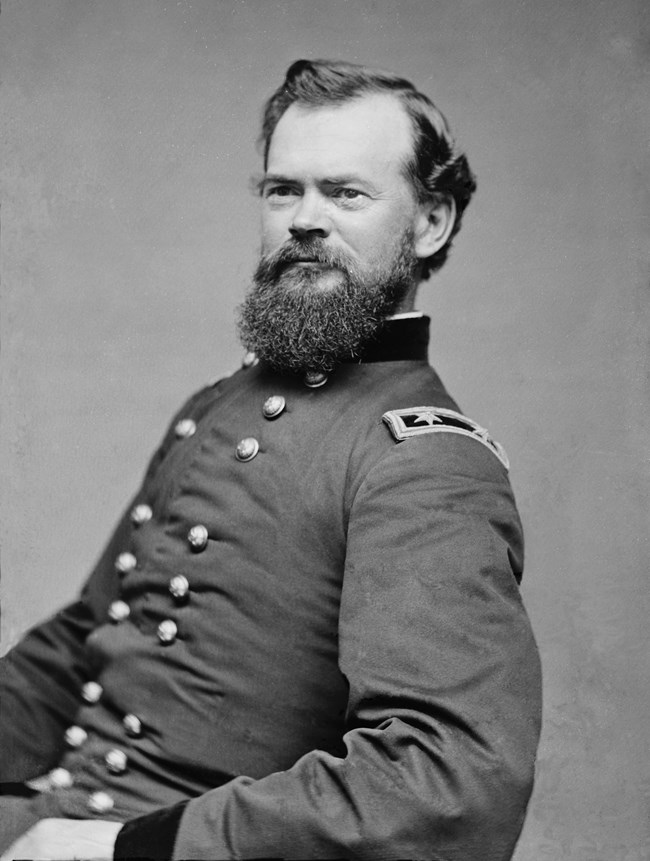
[335, 176]
[340, 228]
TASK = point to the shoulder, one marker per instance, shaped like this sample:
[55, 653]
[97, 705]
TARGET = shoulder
[441, 481]
[436, 458]
[410, 422]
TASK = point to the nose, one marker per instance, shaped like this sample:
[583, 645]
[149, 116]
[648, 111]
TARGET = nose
[310, 217]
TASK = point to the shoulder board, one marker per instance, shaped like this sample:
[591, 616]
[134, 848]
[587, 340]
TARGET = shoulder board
[418, 420]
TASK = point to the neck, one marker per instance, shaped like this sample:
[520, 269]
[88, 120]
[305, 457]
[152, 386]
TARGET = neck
[408, 302]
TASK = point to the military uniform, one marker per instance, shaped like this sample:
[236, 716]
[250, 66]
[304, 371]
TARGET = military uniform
[305, 638]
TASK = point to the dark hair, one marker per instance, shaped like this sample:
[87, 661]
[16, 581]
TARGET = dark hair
[436, 169]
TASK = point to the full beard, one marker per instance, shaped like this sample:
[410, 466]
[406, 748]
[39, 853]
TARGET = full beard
[312, 318]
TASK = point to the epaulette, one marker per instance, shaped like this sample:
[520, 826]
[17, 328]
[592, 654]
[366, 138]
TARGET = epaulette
[418, 420]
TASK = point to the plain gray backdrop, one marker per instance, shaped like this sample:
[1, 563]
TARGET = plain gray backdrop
[129, 235]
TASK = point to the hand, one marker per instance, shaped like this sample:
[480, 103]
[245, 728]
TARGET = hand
[66, 840]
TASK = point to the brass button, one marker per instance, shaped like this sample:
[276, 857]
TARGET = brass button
[100, 802]
[125, 563]
[273, 406]
[116, 761]
[185, 428]
[167, 631]
[247, 449]
[198, 537]
[75, 736]
[92, 692]
[249, 360]
[179, 586]
[60, 778]
[132, 724]
[314, 379]
[119, 611]
[141, 514]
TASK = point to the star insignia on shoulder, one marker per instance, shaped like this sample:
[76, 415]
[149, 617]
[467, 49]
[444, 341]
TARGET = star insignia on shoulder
[428, 417]
[414, 421]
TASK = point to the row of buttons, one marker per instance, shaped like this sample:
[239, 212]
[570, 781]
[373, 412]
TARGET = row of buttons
[116, 760]
[179, 587]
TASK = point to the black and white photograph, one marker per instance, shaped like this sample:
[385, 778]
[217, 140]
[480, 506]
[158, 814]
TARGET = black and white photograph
[325, 430]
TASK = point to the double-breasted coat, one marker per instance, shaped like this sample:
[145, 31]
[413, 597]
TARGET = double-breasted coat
[305, 638]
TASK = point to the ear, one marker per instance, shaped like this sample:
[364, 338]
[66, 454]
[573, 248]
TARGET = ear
[433, 225]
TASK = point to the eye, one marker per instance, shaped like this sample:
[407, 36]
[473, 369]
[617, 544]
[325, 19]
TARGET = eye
[347, 194]
[279, 191]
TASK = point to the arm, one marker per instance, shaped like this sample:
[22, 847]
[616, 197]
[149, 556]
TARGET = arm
[444, 703]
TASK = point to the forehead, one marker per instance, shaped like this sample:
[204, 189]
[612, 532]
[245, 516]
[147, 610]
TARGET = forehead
[370, 134]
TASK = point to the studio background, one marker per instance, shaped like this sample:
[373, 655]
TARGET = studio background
[129, 234]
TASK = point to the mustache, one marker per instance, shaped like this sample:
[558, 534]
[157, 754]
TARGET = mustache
[294, 251]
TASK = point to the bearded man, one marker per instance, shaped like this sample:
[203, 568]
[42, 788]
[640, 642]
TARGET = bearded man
[305, 638]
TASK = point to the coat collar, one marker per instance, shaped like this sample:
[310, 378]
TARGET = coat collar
[403, 339]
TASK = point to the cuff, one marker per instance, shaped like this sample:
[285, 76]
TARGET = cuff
[150, 837]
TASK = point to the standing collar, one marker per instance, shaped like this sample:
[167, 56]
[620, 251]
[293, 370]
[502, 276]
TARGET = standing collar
[399, 340]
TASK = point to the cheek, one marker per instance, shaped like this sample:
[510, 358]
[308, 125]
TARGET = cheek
[378, 238]
[380, 245]
[272, 232]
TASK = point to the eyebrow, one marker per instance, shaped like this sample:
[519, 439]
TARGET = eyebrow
[343, 179]
[350, 179]
[274, 177]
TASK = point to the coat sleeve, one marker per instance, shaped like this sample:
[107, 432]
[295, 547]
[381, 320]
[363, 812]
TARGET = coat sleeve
[444, 678]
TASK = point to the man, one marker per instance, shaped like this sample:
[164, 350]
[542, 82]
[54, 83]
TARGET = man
[305, 639]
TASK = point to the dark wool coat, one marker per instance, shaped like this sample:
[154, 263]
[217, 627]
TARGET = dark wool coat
[311, 645]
